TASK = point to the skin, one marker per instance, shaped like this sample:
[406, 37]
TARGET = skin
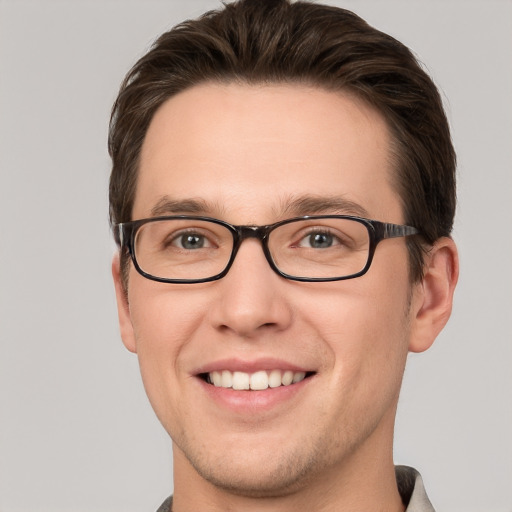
[247, 152]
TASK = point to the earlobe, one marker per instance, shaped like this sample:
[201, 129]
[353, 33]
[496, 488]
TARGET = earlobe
[123, 308]
[433, 297]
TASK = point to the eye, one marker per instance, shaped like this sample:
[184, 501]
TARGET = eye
[319, 240]
[191, 241]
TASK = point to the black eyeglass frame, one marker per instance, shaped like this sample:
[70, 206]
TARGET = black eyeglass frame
[125, 233]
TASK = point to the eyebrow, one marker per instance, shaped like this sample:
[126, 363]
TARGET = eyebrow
[313, 205]
[294, 206]
[168, 206]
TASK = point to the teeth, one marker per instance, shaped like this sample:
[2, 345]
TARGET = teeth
[240, 380]
[274, 379]
[287, 378]
[257, 381]
[226, 379]
[298, 376]
[216, 379]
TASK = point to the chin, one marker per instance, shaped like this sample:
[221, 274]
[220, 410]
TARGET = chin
[282, 479]
[259, 472]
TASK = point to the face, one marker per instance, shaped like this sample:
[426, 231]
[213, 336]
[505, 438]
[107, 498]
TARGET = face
[255, 155]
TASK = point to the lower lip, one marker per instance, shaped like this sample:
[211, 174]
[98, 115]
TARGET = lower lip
[247, 402]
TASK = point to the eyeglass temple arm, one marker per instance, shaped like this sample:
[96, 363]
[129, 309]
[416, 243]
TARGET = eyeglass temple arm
[397, 230]
[118, 232]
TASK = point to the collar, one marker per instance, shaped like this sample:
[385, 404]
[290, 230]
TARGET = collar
[412, 490]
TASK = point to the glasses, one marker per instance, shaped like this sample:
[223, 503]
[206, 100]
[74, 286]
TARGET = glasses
[188, 249]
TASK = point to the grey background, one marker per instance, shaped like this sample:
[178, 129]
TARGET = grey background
[76, 432]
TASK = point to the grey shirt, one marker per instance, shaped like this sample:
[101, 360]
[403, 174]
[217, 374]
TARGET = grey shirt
[410, 485]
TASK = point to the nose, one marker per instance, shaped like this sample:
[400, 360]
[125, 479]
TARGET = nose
[251, 297]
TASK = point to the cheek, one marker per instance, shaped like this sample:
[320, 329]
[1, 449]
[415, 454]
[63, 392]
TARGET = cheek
[364, 326]
[163, 317]
[164, 321]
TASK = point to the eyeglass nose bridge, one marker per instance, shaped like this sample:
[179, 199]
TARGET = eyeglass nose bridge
[242, 233]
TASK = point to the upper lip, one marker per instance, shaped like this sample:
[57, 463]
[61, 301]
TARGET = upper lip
[240, 365]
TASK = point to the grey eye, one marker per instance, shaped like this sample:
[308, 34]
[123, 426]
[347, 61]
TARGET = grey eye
[318, 240]
[191, 241]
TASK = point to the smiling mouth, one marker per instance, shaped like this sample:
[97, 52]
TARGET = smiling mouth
[257, 381]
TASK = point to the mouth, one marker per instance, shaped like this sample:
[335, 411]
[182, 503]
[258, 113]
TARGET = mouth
[256, 381]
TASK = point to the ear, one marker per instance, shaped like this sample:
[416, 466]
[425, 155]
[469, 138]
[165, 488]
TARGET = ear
[433, 296]
[123, 307]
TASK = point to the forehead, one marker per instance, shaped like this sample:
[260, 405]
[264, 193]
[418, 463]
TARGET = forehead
[248, 150]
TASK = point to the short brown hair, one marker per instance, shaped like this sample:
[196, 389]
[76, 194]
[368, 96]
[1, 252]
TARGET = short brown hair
[276, 41]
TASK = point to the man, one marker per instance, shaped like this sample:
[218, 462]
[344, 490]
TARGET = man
[282, 194]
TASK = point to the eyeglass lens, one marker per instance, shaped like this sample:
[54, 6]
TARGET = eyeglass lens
[200, 249]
